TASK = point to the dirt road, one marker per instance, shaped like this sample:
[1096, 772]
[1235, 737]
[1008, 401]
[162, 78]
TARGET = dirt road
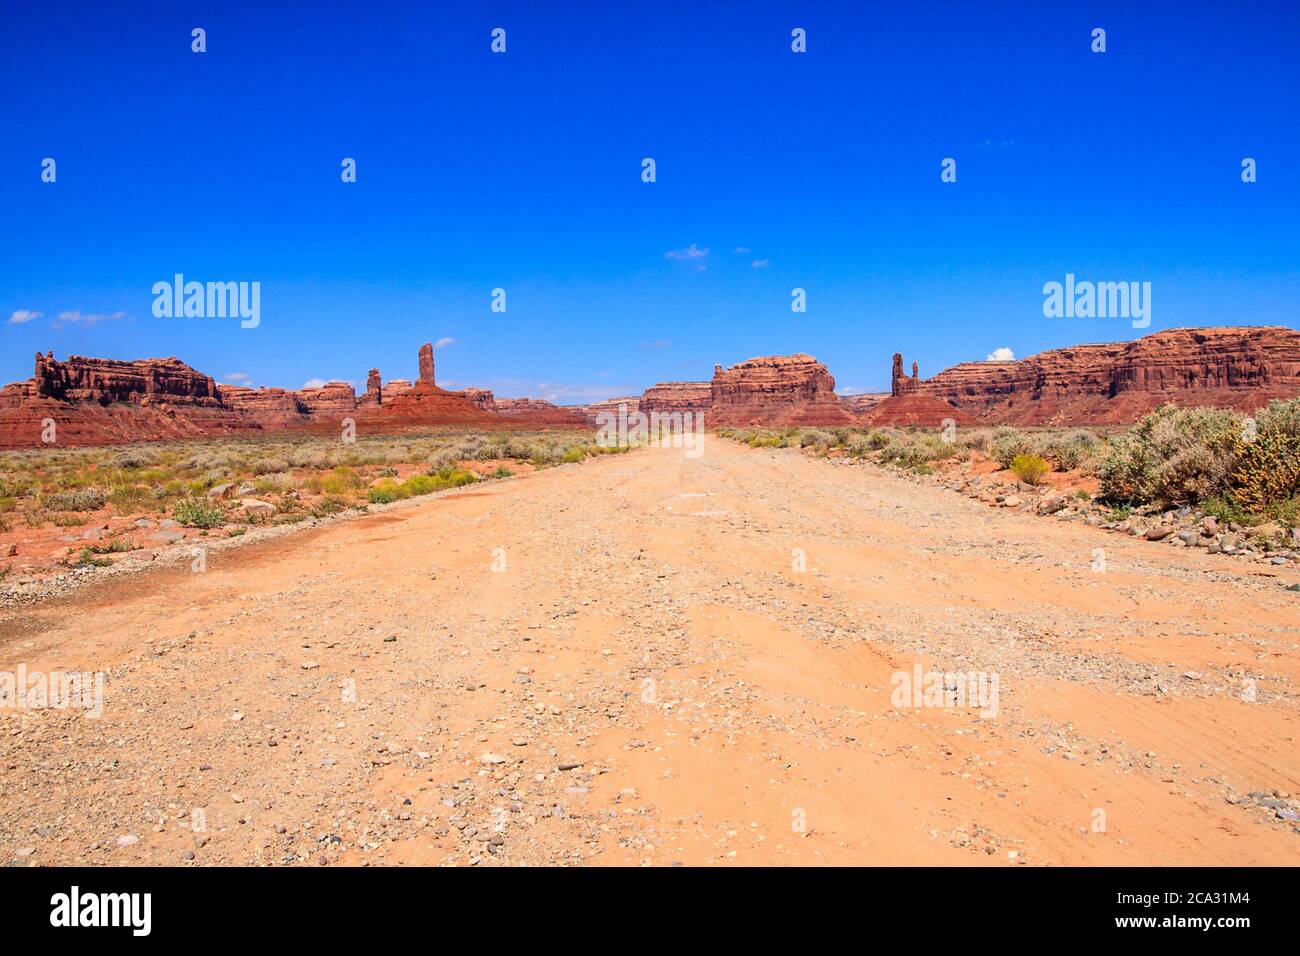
[648, 629]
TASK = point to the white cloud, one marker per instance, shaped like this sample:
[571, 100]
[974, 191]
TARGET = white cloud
[88, 318]
[850, 390]
[443, 342]
[314, 383]
[239, 378]
[656, 345]
[1003, 354]
[742, 249]
[562, 394]
[24, 315]
[690, 252]
[762, 263]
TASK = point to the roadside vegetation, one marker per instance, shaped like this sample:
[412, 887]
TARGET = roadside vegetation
[207, 484]
[1244, 470]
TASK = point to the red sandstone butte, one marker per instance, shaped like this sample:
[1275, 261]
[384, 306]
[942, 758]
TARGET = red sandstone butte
[95, 401]
[776, 390]
[1115, 383]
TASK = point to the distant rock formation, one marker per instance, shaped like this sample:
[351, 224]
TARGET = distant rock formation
[426, 364]
[1119, 382]
[103, 401]
[93, 401]
[776, 390]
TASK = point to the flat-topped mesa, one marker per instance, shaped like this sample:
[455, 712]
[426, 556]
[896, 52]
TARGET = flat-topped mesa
[776, 390]
[608, 407]
[668, 397]
[480, 398]
[140, 382]
[426, 364]
[333, 400]
[1119, 382]
[540, 413]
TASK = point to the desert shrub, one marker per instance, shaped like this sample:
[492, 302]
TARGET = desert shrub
[83, 499]
[340, 481]
[86, 559]
[129, 499]
[1007, 443]
[918, 448]
[265, 466]
[809, 437]
[328, 505]
[11, 486]
[1172, 456]
[1227, 510]
[1071, 449]
[975, 439]
[1029, 468]
[443, 458]
[1267, 466]
[454, 478]
[503, 472]
[385, 491]
[198, 513]
[574, 455]
[859, 446]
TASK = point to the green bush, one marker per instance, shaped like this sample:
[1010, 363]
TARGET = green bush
[198, 513]
[83, 499]
[1267, 467]
[1072, 449]
[1007, 443]
[1029, 468]
[1172, 456]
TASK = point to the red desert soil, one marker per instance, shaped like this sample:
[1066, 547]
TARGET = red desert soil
[650, 636]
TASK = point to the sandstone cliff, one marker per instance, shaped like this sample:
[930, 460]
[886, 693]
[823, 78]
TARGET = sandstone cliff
[1118, 382]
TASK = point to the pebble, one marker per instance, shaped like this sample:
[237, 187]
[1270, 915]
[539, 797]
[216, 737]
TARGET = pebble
[129, 840]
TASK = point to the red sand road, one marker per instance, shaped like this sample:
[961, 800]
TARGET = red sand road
[647, 628]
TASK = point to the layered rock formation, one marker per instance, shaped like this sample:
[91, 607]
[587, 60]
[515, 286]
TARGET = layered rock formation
[675, 397]
[776, 390]
[1118, 382]
[106, 401]
[538, 413]
[426, 364]
[101, 401]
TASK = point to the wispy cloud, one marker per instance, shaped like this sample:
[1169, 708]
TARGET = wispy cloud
[239, 378]
[24, 315]
[314, 383]
[850, 390]
[656, 345]
[561, 393]
[1003, 354]
[684, 255]
[762, 263]
[443, 342]
[77, 317]
[743, 249]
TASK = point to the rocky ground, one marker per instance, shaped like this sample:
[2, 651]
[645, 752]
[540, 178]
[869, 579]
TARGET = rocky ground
[655, 659]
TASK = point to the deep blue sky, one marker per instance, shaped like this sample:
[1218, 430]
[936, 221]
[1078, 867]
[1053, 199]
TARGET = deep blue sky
[523, 171]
